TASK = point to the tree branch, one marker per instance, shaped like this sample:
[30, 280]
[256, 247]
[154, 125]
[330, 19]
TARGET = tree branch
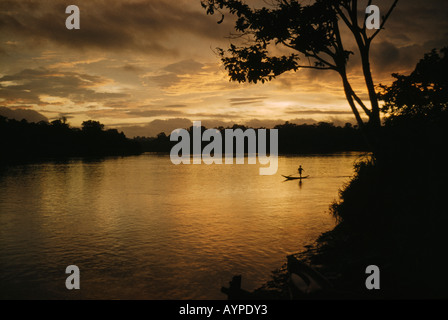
[359, 101]
[364, 28]
[344, 18]
[349, 97]
[316, 67]
[384, 21]
[313, 55]
[354, 13]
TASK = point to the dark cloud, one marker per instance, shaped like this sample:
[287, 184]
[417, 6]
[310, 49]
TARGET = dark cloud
[414, 28]
[174, 72]
[155, 113]
[215, 115]
[20, 114]
[132, 68]
[146, 26]
[66, 115]
[175, 106]
[247, 101]
[388, 58]
[155, 127]
[29, 85]
[385, 54]
[161, 107]
[316, 111]
[184, 67]
[164, 80]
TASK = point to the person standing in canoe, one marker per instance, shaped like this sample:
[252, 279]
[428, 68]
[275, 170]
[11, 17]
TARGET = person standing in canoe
[300, 171]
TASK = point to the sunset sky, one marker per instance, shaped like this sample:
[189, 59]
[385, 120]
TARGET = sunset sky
[146, 66]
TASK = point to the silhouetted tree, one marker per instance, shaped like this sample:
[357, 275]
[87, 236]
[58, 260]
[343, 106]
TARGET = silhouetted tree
[416, 108]
[21, 140]
[394, 209]
[92, 126]
[306, 29]
[60, 123]
[423, 93]
[293, 139]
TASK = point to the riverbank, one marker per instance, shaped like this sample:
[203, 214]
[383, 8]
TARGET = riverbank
[318, 257]
[22, 141]
[393, 212]
[389, 219]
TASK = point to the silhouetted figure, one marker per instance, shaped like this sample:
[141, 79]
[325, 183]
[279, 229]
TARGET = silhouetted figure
[300, 171]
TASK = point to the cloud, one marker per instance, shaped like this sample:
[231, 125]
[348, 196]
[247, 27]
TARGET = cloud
[132, 68]
[175, 106]
[387, 57]
[247, 101]
[155, 127]
[154, 113]
[189, 77]
[184, 67]
[32, 86]
[414, 28]
[146, 26]
[173, 74]
[317, 111]
[20, 114]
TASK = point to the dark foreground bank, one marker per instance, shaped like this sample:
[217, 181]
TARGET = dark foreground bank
[392, 214]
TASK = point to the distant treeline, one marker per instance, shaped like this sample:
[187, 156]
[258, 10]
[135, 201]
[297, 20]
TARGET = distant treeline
[22, 140]
[322, 137]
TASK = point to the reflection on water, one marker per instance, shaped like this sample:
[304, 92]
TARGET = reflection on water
[142, 228]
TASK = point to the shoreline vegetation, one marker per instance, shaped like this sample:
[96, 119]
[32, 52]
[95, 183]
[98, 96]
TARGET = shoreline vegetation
[392, 214]
[322, 137]
[23, 141]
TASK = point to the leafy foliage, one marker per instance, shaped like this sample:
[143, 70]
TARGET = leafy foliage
[307, 29]
[22, 140]
[393, 210]
[423, 93]
[304, 34]
[322, 137]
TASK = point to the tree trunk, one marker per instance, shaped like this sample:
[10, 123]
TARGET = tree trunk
[370, 134]
[374, 118]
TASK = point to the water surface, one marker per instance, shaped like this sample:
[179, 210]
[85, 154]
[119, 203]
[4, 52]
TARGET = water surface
[142, 228]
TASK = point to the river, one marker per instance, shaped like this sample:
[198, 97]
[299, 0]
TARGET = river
[142, 228]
